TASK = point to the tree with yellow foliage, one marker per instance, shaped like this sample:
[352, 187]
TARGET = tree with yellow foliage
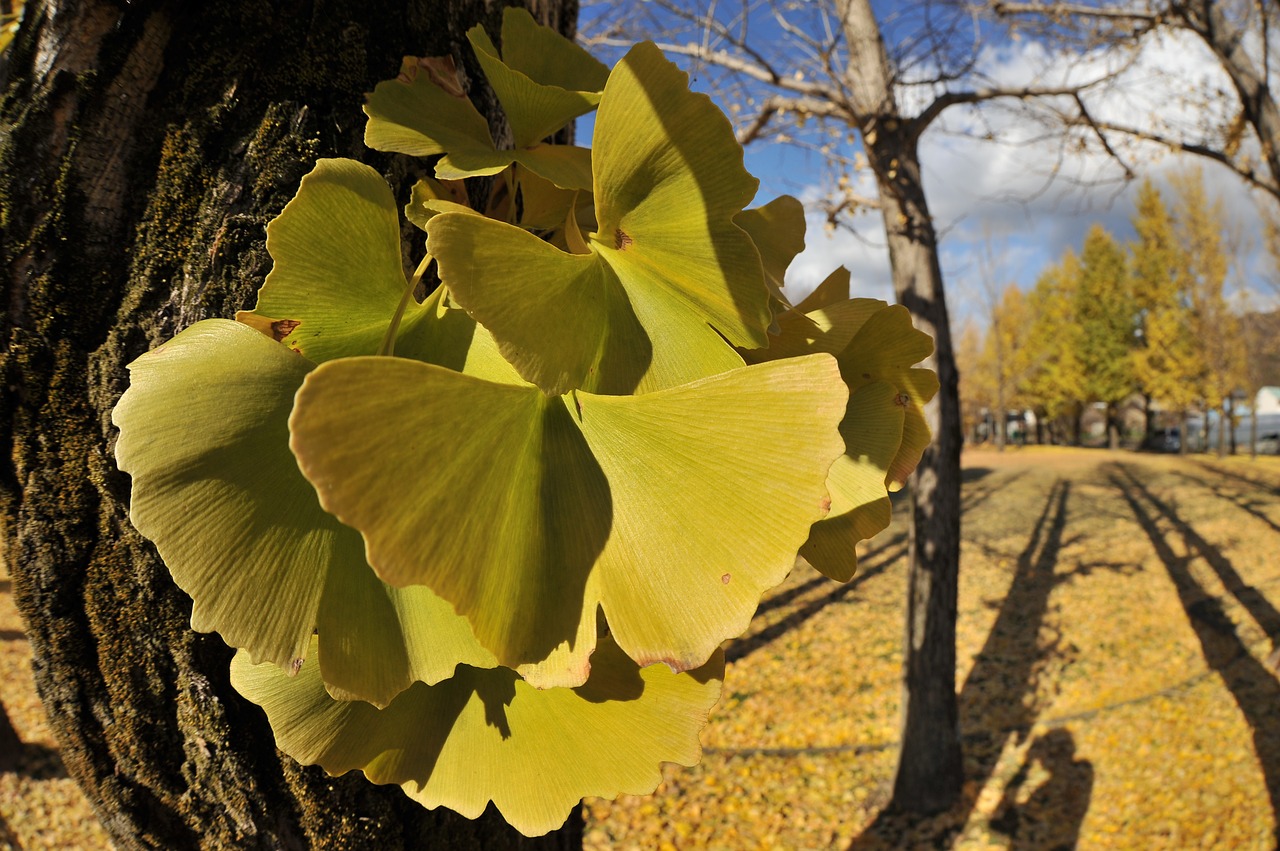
[1216, 328]
[1168, 364]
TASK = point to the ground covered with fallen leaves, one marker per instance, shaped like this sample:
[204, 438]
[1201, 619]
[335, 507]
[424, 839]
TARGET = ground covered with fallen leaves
[1118, 616]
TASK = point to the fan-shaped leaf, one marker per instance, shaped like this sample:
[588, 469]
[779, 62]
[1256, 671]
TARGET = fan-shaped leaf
[777, 229]
[551, 505]
[425, 111]
[534, 110]
[668, 263]
[204, 434]
[860, 509]
[485, 735]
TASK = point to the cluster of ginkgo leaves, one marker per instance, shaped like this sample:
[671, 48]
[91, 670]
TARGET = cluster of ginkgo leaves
[483, 515]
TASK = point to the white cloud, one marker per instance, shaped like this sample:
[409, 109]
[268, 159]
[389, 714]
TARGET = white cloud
[1032, 199]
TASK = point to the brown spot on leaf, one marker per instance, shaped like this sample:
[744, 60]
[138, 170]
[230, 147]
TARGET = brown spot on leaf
[621, 240]
[295, 666]
[725, 579]
[902, 400]
[283, 328]
[826, 504]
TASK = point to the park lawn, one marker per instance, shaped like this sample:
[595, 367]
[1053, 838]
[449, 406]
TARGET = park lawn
[1113, 640]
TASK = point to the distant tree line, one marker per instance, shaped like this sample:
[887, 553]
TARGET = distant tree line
[1150, 321]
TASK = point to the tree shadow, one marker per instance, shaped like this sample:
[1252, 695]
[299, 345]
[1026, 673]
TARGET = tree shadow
[740, 648]
[998, 699]
[1255, 603]
[1261, 484]
[974, 495]
[1051, 816]
[1251, 684]
[785, 598]
[1237, 499]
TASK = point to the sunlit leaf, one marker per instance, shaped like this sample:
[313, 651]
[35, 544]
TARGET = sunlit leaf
[548, 57]
[204, 434]
[777, 229]
[885, 349]
[535, 109]
[872, 432]
[552, 504]
[485, 735]
[337, 280]
[670, 276]
[884, 432]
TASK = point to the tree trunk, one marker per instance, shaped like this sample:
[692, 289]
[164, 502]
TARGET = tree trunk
[930, 772]
[145, 145]
[1253, 431]
[1224, 420]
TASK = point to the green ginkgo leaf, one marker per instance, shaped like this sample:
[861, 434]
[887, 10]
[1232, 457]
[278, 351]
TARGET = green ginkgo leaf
[670, 277]
[833, 289]
[536, 107]
[547, 57]
[485, 735]
[860, 508]
[885, 348]
[526, 512]
[884, 429]
[777, 229]
[204, 434]
[425, 112]
[337, 282]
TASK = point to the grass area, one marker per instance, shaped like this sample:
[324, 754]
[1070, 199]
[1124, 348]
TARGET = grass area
[1116, 624]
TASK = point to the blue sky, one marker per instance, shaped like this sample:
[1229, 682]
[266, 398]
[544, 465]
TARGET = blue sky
[997, 199]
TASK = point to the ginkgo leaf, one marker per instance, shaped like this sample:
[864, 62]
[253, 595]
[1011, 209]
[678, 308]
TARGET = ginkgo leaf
[485, 735]
[884, 431]
[551, 505]
[204, 434]
[547, 57]
[336, 273]
[534, 109]
[336, 281]
[860, 509]
[777, 229]
[670, 277]
[425, 112]
[885, 348]
[833, 289]
[430, 198]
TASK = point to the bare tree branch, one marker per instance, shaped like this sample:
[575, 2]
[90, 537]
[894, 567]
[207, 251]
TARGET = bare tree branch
[1060, 11]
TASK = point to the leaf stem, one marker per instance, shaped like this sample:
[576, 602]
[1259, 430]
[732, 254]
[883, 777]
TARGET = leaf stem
[389, 340]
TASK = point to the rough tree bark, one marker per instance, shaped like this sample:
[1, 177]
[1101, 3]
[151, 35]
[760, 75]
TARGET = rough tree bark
[143, 147]
[930, 769]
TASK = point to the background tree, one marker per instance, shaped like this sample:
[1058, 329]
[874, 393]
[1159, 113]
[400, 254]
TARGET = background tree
[1054, 384]
[1167, 362]
[145, 146]
[1199, 229]
[976, 398]
[1006, 355]
[1105, 311]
